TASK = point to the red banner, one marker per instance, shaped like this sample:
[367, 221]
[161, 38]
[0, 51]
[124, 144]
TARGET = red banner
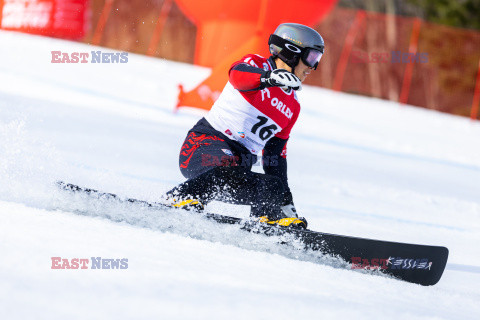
[56, 18]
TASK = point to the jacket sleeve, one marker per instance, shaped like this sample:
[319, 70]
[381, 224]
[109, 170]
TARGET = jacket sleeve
[275, 163]
[245, 77]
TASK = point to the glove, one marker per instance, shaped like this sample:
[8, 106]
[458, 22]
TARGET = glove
[281, 78]
[290, 211]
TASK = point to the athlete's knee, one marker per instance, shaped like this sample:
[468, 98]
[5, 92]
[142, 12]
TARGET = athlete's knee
[191, 172]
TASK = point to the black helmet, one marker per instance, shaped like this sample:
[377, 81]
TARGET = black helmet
[292, 42]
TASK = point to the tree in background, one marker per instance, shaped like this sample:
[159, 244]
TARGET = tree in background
[455, 13]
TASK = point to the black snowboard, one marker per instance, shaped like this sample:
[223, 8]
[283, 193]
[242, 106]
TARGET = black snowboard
[414, 263]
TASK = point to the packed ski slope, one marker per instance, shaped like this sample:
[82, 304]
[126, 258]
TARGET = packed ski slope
[358, 166]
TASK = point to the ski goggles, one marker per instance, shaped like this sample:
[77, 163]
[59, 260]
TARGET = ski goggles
[292, 54]
[311, 57]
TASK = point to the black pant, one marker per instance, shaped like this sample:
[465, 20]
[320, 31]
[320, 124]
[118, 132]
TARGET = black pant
[218, 168]
[236, 185]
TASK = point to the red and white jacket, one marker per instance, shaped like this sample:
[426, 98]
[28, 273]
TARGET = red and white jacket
[248, 112]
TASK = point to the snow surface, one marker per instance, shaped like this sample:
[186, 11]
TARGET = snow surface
[357, 166]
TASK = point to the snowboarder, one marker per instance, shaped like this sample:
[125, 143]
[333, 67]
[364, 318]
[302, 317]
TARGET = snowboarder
[255, 111]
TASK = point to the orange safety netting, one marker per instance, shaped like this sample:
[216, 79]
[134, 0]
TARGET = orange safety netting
[443, 71]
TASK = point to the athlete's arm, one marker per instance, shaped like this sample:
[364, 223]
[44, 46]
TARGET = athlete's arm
[275, 163]
[276, 147]
[245, 77]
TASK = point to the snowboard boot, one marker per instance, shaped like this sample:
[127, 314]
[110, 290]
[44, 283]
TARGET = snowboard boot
[185, 204]
[299, 223]
[189, 204]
